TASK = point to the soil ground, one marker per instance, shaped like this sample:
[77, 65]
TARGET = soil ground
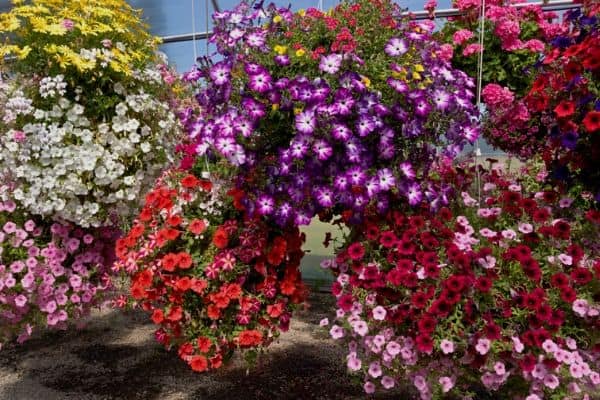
[116, 357]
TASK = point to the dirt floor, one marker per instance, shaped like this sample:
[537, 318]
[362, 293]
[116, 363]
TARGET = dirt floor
[116, 357]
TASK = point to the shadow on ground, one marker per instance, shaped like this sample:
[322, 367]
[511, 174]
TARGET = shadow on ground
[116, 357]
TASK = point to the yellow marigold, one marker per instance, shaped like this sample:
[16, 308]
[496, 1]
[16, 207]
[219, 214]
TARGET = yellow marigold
[300, 52]
[419, 68]
[277, 19]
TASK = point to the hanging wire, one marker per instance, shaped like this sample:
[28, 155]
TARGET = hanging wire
[194, 30]
[479, 84]
[206, 11]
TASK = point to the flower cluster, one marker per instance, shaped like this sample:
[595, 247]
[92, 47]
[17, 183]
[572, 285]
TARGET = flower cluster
[86, 124]
[500, 294]
[213, 283]
[513, 39]
[50, 274]
[316, 126]
[92, 38]
[63, 161]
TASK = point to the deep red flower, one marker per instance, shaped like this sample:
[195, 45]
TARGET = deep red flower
[388, 239]
[426, 324]
[559, 280]
[190, 182]
[582, 275]
[345, 302]
[527, 363]
[419, 300]
[592, 121]
[356, 251]
[483, 284]
[492, 331]
[562, 229]
[568, 294]
[424, 343]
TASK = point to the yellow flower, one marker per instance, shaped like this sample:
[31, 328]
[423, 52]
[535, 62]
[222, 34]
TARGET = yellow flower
[9, 23]
[419, 68]
[300, 52]
[416, 76]
[277, 19]
[301, 12]
[365, 80]
[281, 50]
[297, 110]
[274, 106]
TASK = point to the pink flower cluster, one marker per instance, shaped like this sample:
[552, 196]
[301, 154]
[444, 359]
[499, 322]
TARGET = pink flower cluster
[49, 272]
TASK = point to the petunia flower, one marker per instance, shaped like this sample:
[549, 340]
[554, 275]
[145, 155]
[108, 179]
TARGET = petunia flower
[330, 63]
[395, 47]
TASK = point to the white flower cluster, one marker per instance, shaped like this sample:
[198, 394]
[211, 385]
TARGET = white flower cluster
[63, 164]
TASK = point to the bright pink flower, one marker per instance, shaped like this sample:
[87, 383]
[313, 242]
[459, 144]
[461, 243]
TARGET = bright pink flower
[461, 36]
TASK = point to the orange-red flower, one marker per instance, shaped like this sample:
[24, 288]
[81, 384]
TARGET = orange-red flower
[190, 182]
[198, 285]
[174, 220]
[565, 109]
[158, 316]
[184, 260]
[183, 284]
[204, 344]
[197, 226]
[169, 262]
[199, 363]
[213, 312]
[175, 314]
[249, 338]
[220, 238]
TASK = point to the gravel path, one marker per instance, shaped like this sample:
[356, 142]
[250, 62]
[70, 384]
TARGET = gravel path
[116, 357]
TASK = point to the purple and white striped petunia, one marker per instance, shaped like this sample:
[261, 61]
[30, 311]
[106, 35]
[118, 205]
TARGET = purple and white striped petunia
[306, 122]
[396, 47]
[220, 73]
[331, 63]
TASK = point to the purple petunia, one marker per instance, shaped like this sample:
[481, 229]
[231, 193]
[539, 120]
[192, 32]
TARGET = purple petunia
[331, 63]
[260, 82]
[306, 122]
[395, 47]
[220, 73]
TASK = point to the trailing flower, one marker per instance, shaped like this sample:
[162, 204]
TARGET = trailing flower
[62, 161]
[51, 274]
[213, 283]
[500, 295]
[325, 110]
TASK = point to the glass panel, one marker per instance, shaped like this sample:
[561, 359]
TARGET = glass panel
[168, 17]
[181, 54]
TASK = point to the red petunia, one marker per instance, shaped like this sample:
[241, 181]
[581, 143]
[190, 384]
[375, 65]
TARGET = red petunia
[144, 278]
[184, 260]
[174, 220]
[356, 251]
[581, 275]
[559, 280]
[483, 284]
[592, 121]
[424, 343]
[158, 316]
[249, 338]
[197, 226]
[138, 292]
[204, 344]
[169, 262]
[190, 182]
[199, 363]
[564, 109]
[183, 284]
[220, 238]
[175, 314]
[388, 239]
[213, 312]
[198, 285]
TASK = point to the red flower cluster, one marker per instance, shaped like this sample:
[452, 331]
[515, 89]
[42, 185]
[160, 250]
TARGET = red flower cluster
[212, 285]
[521, 270]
